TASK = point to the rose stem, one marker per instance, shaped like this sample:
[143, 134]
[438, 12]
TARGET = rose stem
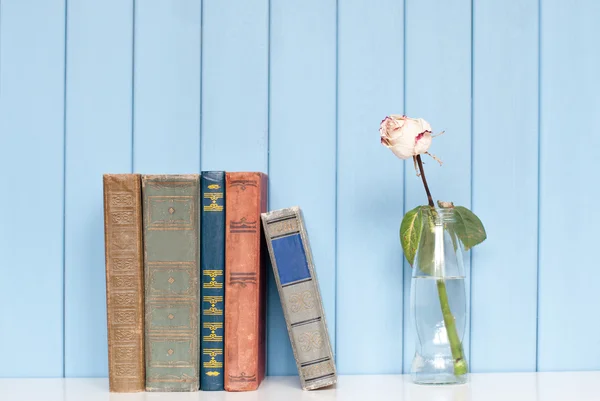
[460, 363]
[420, 163]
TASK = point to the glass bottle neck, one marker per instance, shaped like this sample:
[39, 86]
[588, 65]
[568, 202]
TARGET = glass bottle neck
[439, 254]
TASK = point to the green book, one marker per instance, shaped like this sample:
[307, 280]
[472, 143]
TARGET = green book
[171, 269]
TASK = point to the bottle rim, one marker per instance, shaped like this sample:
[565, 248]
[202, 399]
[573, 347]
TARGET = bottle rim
[444, 215]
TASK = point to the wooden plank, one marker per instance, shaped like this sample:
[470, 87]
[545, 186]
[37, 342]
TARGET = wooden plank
[568, 271]
[303, 83]
[438, 89]
[235, 82]
[32, 51]
[167, 87]
[98, 140]
[505, 184]
[369, 190]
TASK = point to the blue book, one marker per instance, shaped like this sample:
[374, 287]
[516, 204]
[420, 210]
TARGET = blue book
[213, 273]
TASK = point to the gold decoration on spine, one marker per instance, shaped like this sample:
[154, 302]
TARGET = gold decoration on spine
[213, 283]
[213, 353]
[212, 337]
[213, 310]
[214, 206]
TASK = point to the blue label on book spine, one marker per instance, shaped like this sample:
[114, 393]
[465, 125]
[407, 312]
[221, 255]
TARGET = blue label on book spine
[291, 259]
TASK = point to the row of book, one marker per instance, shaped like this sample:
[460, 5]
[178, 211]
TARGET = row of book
[186, 283]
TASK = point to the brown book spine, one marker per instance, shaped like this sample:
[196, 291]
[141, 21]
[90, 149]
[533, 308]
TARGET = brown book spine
[245, 283]
[124, 282]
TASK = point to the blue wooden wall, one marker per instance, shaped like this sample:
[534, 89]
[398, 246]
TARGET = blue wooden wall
[297, 88]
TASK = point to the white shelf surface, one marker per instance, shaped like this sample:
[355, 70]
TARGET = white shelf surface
[567, 386]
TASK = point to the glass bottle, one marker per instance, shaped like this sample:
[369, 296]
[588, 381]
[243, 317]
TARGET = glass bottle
[438, 302]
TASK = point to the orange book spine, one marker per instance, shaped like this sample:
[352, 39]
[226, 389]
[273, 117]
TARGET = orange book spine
[245, 282]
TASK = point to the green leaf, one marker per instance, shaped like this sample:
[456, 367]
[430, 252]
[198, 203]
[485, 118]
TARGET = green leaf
[426, 254]
[469, 228]
[453, 236]
[410, 232]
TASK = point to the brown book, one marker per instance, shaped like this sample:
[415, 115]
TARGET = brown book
[124, 282]
[245, 283]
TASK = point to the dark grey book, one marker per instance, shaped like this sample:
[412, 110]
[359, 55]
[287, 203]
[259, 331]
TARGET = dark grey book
[294, 270]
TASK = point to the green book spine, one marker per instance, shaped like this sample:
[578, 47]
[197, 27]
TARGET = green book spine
[171, 268]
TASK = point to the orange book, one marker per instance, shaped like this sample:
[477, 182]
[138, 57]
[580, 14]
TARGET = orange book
[245, 283]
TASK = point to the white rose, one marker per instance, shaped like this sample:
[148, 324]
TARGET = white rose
[406, 137]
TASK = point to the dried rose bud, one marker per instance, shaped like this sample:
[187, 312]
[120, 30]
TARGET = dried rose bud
[405, 137]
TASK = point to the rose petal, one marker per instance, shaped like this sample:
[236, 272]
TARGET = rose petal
[423, 143]
[403, 146]
[385, 141]
[424, 125]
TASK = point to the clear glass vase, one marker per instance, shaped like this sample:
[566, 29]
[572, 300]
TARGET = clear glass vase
[438, 302]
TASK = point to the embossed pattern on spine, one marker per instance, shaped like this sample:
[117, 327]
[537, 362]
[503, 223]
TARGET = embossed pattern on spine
[172, 264]
[296, 279]
[124, 282]
[245, 282]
